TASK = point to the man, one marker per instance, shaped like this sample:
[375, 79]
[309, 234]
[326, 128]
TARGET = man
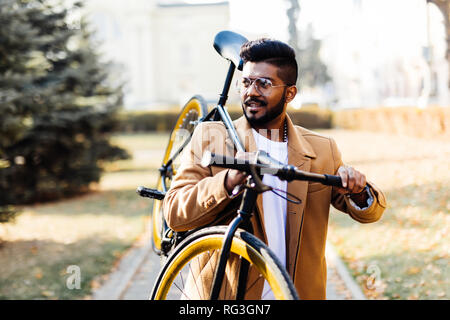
[295, 232]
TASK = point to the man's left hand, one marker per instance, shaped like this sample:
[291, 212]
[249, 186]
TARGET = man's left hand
[353, 181]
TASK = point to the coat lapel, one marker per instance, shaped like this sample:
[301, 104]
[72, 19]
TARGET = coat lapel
[300, 154]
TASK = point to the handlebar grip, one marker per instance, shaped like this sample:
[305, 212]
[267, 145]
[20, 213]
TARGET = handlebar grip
[331, 180]
[209, 159]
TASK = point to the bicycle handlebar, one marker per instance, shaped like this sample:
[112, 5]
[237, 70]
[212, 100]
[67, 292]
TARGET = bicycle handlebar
[269, 165]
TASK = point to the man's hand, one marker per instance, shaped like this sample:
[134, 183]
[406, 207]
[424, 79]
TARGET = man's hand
[353, 183]
[236, 177]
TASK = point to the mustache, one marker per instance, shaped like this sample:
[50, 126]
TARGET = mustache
[255, 100]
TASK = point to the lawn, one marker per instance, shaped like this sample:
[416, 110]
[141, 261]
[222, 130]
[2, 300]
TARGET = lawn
[90, 232]
[406, 254]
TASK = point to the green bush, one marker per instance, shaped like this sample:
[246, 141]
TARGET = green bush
[432, 122]
[145, 121]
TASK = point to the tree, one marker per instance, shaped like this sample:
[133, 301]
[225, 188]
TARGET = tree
[292, 14]
[444, 6]
[57, 104]
[312, 71]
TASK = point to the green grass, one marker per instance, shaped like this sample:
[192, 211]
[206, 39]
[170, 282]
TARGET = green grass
[405, 255]
[91, 231]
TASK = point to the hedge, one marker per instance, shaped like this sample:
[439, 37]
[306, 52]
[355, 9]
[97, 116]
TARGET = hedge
[432, 122]
[144, 121]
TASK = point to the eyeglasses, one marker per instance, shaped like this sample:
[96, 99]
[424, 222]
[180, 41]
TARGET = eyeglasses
[263, 85]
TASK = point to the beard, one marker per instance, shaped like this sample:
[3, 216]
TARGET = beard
[271, 114]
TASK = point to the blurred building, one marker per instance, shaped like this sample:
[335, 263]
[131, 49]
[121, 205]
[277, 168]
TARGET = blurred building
[164, 49]
[377, 52]
[383, 52]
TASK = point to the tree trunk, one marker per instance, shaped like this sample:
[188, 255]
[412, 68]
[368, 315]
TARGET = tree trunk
[444, 6]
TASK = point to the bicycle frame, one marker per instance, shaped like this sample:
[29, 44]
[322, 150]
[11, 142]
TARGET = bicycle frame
[242, 219]
[219, 113]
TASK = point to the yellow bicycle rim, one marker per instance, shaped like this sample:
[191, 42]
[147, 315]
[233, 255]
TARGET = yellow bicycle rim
[214, 242]
[193, 104]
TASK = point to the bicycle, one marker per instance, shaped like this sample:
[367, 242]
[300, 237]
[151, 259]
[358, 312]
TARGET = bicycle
[227, 44]
[226, 244]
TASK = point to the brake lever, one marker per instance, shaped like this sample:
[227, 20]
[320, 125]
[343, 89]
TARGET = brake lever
[258, 185]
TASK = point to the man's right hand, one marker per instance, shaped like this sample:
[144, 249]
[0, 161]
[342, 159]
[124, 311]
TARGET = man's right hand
[236, 177]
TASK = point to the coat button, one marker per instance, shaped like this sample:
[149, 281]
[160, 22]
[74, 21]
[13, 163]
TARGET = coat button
[210, 202]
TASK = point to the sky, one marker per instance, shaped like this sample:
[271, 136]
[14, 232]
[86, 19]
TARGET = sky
[359, 36]
[386, 19]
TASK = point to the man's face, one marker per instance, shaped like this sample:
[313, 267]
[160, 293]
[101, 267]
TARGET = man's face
[260, 109]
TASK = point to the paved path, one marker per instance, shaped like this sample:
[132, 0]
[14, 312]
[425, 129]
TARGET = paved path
[136, 273]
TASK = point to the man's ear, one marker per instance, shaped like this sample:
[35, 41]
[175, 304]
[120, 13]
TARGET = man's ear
[291, 92]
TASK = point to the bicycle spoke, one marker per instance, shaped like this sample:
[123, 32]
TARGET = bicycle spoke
[225, 279]
[194, 280]
[209, 261]
[182, 281]
[265, 294]
[254, 282]
[182, 291]
[199, 272]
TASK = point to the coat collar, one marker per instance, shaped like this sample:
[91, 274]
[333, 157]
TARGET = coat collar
[298, 146]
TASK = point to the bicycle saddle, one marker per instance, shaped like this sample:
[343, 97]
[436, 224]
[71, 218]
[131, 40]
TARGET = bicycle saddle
[228, 44]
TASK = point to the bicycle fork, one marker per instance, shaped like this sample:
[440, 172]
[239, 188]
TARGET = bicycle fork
[244, 214]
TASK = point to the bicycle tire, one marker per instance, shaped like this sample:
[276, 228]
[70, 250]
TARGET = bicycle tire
[195, 109]
[244, 245]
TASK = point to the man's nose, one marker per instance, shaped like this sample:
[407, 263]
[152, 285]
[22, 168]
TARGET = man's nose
[253, 90]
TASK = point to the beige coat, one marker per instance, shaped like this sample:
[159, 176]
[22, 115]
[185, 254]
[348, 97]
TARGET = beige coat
[198, 196]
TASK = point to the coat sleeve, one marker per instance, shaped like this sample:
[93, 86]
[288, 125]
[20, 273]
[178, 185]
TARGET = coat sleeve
[196, 197]
[342, 202]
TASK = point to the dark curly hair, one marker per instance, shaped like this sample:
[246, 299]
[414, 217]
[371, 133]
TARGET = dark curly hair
[273, 52]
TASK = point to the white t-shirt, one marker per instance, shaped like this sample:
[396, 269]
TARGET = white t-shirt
[274, 206]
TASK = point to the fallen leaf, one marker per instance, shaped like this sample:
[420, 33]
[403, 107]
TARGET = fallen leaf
[413, 270]
[47, 293]
[95, 284]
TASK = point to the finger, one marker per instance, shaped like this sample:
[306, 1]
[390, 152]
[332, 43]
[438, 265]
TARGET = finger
[342, 172]
[359, 183]
[341, 190]
[362, 182]
[351, 179]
